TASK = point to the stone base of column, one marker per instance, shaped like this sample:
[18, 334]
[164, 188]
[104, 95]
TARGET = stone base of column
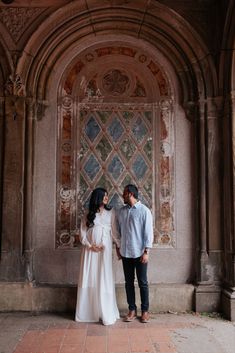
[228, 303]
[207, 298]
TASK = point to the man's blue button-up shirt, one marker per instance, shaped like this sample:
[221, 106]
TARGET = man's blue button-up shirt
[136, 229]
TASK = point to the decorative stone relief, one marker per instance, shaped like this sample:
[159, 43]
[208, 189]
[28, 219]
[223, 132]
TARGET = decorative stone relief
[17, 19]
[165, 235]
[116, 82]
[14, 86]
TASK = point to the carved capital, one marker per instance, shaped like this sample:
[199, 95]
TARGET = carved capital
[36, 108]
[14, 86]
[191, 110]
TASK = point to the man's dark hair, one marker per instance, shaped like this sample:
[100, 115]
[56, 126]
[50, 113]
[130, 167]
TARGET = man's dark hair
[133, 189]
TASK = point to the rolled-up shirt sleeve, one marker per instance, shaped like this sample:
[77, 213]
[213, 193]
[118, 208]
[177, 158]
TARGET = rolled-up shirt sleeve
[148, 229]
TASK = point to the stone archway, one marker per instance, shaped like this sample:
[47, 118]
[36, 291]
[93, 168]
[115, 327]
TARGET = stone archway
[51, 57]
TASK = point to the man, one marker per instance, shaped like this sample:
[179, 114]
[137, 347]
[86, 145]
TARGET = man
[136, 231]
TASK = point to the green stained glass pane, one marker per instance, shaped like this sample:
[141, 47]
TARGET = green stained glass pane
[104, 116]
[104, 183]
[83, 149]
[148, 186]
[148, 148]
[148, 116]
[83, 113]
[127, 116]
[127, 148]
[103, 148]
[127, 180]
[83, 186]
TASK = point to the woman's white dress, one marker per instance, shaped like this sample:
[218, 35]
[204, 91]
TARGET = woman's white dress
[96, 298]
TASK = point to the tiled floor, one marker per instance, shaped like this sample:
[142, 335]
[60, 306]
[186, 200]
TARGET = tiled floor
[166, 333]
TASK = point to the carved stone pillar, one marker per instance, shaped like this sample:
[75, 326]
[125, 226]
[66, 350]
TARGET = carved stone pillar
[228, 293]
[12, 268]
[209, 252]
[35, 110]
[2, 108]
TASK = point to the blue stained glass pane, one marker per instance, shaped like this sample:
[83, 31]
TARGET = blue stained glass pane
[115, 130]
[116, 201]
[92, 167]
[139, 167]
[92, 129]
[139, 129]
[116, 167]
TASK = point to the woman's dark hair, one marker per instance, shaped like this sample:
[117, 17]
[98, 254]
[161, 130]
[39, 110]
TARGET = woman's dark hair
[133, 189]
[96, 201]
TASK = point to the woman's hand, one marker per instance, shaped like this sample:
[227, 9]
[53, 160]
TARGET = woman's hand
[96, 248]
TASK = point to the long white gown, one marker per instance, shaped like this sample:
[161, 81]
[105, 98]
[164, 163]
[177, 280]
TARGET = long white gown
[96, 298]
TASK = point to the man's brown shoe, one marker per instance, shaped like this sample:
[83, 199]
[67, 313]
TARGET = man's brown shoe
[130, 316]
[145, 317]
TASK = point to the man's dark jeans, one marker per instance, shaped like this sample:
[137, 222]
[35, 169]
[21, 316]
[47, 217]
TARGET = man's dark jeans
[129, 267]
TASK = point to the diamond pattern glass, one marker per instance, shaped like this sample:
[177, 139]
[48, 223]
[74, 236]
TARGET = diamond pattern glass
[103, 148]
[83, 186]
[127, 180]
[92, 167]
[92, 128]
[139, 167]
[127, 148]
[127, 116]
[115, 201]
[104, 182]
[139, 129]
[116, 167]
[83, 149]
[148, 149]
[115, 130]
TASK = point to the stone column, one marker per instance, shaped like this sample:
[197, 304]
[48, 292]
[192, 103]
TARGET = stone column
[2, 108]
[209, 253]
[12, 268]
[35, 110]
[228, 293]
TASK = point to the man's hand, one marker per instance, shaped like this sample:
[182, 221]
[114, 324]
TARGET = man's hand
[144, 258]
[119, 256]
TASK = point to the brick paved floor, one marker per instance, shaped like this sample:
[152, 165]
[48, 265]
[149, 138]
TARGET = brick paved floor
[165, 333]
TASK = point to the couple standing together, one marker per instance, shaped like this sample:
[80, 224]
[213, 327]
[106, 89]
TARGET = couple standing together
[131, 229]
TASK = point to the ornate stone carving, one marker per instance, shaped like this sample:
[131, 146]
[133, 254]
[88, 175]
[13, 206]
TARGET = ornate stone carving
[16, 19]
[14, 86]
[116, 82]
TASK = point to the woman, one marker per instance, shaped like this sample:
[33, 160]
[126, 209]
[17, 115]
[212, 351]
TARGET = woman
[96, 299]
